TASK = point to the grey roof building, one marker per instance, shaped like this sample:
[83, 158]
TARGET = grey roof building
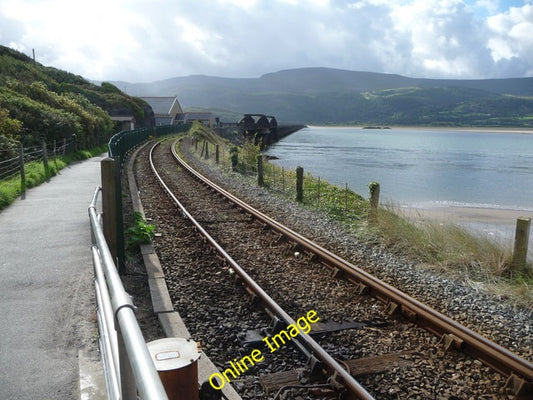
[166, 109]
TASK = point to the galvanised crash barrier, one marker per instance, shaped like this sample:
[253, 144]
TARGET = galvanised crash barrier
[128, 367]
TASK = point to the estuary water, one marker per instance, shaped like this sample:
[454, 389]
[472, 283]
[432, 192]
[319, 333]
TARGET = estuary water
[421, 168]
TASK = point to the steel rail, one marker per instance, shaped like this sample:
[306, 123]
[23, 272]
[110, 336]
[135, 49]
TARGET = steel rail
[491, 354]
[349, 381]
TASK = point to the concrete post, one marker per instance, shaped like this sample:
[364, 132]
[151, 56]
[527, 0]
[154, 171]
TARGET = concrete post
[521, 243]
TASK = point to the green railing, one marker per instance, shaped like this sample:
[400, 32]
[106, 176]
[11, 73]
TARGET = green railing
[118, 148]
[123, 142]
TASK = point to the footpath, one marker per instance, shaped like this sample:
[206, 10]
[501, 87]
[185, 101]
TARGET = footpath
[48, 328]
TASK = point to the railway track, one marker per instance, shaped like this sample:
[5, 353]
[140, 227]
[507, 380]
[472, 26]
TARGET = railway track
[294, 271]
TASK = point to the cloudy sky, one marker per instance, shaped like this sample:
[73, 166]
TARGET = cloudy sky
[147, 40]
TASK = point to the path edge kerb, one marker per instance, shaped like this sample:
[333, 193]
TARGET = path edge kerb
[169, 319]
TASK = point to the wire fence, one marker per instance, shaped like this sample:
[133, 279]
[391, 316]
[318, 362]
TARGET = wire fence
[339, 202]
[12, 165]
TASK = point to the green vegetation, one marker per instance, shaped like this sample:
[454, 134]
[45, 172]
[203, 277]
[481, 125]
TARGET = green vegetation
[42, 103]
[443, 247]
[140, 233]
[35, 173]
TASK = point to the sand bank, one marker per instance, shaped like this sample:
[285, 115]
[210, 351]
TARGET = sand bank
[466, 215]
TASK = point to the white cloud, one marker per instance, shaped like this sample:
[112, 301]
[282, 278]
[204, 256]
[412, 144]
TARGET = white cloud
[140, 41]
[512, 36]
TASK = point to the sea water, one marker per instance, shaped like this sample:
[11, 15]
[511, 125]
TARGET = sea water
[422, 168]
[418, 167]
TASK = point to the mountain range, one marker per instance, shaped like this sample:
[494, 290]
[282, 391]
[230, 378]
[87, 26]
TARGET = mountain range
[333, 96]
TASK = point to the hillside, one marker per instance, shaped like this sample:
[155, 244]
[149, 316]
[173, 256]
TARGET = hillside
[38, 102]
[324, 95]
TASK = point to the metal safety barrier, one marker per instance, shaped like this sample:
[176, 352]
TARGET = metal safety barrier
[123, 142]
[128, 367]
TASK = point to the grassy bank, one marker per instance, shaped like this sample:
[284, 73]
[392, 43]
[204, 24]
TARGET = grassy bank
[447, 248]
[35, 173]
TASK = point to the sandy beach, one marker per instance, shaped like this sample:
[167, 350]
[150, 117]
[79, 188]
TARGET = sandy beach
[467, 215]
[499, 224]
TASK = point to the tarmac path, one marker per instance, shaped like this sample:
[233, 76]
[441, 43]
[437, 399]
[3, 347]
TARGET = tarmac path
[47, 310]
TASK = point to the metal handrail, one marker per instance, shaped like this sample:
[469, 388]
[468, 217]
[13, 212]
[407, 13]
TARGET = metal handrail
[128, 366]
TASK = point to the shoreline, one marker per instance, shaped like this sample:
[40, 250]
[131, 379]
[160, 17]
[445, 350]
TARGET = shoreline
[519, 130]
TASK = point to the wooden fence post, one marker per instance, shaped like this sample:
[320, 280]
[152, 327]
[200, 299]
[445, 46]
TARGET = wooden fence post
[217, 154]
[260, 177]
[109, 206]
[206, 149]
[45, 163]
[374, 189]
[521, 241]
[22, 173]
[299, 184]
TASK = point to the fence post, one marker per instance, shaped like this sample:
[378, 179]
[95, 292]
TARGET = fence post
[346, 199]
[121, 265]
[22, 173]
[283, 179]
[206, 149]
[109, 206]
[217, 154]
[318, 193]
[260, 177]
[234, 158]
[521, 241]
[374, 189]
[299, 184]
[55, 155]
[45, 162]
